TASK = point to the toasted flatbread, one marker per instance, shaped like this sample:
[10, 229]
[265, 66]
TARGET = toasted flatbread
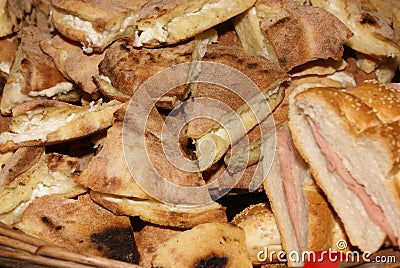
[107, 171]
[73, 63]
[150, 238]
[44, 122]
[95, 24]
[299, 33]
[267, 76]
[207, 245]
[25, 177]
[117, 178]
[12, 15]
[59, 220]
[368, 20]
[172, 21]
[9, 46]
[159, 213]
[32, 71]
[124, 70]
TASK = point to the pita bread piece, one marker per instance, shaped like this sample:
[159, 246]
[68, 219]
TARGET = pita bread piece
[368, 20]
[266, 76]
[150, 238]
[180, 216]
[169, 22]
[124, 70]
[73, 63]
[25, 177]
[95, 24]
[299, 33]
[206, 245]
[12, 14]
[59, 220]
[33, 74]
[49, 122]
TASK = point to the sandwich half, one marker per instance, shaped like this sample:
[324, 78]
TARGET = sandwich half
[303, 216]
[352, 156]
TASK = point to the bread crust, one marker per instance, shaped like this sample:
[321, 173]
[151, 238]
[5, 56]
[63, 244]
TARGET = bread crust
[355, 120]
[59, 221]
[210, 244]
[160, 213]
[300, 34]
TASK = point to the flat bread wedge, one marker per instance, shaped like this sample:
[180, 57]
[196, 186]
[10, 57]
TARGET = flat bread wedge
[266, 76]
[124, 69]
[44, 122]
[12, 15]
[373, 33]
[59, 221]
[33, 73]
[273, 29]
[9, 46]
[180, 216]
[116, 188]
[95, 24]
[150, 238]
[25, 177]
[206, 245]
[169, 22]
[322, 35]
[73, 63]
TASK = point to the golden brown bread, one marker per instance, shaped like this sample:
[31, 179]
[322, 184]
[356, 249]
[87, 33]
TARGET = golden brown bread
[9, 46]
[95, 24]
[300, 33]
[12, 15]
[381, 98]
[150, 238]
[261, 231]
[32, 70]
[124, 69]
[116, 177]
[59, 221]
[107, 171]
[22, 160]
[267, 76]
[206, 245]
[26, 176]
[180, 216]
[49, 122]
[172, 21]
[72, 62]
[368, 20]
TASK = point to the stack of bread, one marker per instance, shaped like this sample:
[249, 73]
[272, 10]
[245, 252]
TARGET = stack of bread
[324, 157]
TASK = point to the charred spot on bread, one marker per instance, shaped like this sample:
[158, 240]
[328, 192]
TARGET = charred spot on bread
[367, 18]
[214, 261]
[116, 243]
[50, 224]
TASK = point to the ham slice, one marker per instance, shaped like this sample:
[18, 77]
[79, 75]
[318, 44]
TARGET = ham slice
[335, 164]
[286, 169]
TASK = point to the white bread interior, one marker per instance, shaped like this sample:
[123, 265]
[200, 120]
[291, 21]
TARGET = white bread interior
[366, 158]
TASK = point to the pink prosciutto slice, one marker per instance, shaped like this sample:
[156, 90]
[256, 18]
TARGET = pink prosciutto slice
[335, 164]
